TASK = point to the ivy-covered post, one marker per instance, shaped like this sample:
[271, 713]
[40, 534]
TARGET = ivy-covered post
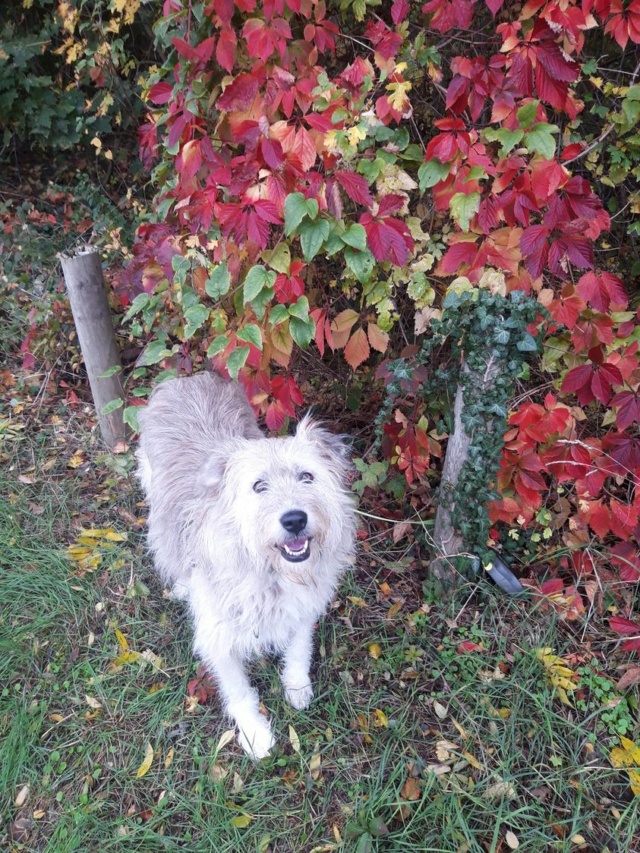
[490, 345]
[88, 297]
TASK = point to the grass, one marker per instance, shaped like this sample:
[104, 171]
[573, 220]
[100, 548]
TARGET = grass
[411, 744]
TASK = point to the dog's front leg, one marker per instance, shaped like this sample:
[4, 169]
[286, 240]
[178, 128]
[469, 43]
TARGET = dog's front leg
[295, 671]
[242, 703]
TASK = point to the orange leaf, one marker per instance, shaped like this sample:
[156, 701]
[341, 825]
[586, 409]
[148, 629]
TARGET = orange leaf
[341, 326]
[357, 350]
[378, 339]
[410, 789]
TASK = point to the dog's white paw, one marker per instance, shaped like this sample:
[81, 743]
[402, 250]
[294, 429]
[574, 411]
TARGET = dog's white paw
[256, 738]
[299, 697]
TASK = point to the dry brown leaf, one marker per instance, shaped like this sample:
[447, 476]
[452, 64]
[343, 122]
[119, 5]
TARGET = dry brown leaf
[631, 677]
[440, 709]
[410, 790]
[315, 765]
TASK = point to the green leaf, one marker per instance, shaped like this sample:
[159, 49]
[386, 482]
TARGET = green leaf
[130, 417]
[112, 405]
[217, 285]
[154, 352]
[464, 208]
[360, 263]
[312, 236]
[261, 301]
[302, 331]
[507, 138]
[180, 266]
[141, 301]
[356, 237]
[539, 140]
[217, 345]
[312, 208]
[194, 317]
[431, 172]
[295, 210]
[527, 344]
[527, 114]
[251, 334]
[236, 361]
[257, 279]
[278, 314]
[111, 372]
[279, 259]
[300, 309]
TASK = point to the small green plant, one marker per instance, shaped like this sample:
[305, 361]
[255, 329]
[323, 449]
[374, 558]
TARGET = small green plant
[613, 712]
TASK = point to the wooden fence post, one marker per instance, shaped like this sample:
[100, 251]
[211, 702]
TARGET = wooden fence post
[88, 296]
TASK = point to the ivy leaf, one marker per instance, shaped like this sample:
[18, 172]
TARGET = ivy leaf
[361, 264]
[112, 405]
[279, 259]
[540, 140]
[217, 345]
[527, 114]
[295, 210]
[251, 334]
[257, 279]
[237, 360]
[155, 352]
[507, 138]
[194, 317]
[302, 331]
[312, 236]
[464, 208]
[217, 285]
[300, 309]
[356, 237]
[431, 173]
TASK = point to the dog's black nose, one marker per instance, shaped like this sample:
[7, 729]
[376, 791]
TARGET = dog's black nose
[294, 521]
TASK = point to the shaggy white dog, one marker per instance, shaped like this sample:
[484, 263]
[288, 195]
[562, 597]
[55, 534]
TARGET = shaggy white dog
[254, 532]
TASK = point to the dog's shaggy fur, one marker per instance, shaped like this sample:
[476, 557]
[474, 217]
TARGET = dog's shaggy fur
[254, 532]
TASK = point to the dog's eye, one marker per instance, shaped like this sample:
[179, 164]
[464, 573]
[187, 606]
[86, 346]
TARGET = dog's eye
[306, 477]
[259, 486]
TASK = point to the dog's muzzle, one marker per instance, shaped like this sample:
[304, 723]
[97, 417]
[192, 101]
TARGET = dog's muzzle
[297, 547]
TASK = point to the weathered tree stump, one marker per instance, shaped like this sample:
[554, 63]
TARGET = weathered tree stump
[448, 542]
[82, 272]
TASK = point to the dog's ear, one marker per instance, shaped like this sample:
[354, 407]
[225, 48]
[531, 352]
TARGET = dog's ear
[335, 449]
[213, 471]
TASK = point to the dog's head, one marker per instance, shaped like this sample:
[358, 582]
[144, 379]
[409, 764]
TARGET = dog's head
[287, 498]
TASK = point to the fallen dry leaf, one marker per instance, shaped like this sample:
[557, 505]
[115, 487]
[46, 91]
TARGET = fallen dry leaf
[631, 677]
[512, 839]
[22, 797]
[410, 790]
[146, 764]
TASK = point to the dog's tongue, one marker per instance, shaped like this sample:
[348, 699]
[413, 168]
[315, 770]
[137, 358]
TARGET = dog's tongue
[296, 544]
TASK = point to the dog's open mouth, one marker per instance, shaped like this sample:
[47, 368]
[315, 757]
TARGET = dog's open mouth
[296, 550]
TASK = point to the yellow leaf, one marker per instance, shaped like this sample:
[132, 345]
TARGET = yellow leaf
[241, 821]
[473, 761]
[380, 720]
[359, 602]
[169, 758]
[634, 781]
[122, 640]
[146, 764]
[294, 739]
[127, 657]
[375, 651]
[92, 703]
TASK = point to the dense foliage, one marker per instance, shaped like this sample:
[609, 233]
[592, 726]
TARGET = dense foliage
[327, 173]
[333, 175]
[67, 70]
